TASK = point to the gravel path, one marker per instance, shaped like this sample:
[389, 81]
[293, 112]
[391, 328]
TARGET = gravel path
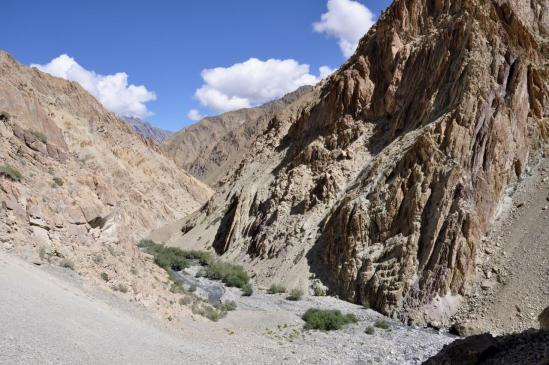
[48, 318]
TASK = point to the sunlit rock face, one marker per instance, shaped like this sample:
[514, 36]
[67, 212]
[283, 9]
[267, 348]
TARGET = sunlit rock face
[382, 180]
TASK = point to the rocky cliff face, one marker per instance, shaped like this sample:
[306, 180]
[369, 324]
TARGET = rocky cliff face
[211, 147]
[147, 130]
[383, 179]
[78, 187]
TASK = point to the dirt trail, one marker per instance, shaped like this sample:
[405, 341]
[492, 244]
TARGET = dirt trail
[512, 284]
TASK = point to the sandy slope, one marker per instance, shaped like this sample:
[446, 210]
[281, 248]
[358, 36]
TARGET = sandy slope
[49, 320]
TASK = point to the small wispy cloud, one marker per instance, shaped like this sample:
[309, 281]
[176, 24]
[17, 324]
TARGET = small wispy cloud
[347, 21]
[194, 115]
[253, 82]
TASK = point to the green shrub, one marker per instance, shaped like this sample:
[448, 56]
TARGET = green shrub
[4, 116]
[229, 305]
[186, 300]
[327, 319]
[213, 314]
[295, 294]
[192, 288]
[10, 172]
[383, 324]
[247, 290]
[231, 275]
[166, 257]
[208, 311]
[203, 257]
[176, 286]
[66, 263]
[370, 330]
[318, 291]
[58, 181]
[40, 136]
[105, 276]
[276, 289]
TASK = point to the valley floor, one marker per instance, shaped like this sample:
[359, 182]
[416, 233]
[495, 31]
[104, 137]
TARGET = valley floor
[49, 318]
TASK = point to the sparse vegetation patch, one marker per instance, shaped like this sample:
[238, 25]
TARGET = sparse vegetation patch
[295, 294]
[39, 136]
[121, 288]
[276, 289]
[58, 181]
[383, 324]
[10, 172]
[231, 275]
[176, 259]
[166, 257]
[247, 290]
[66, 263]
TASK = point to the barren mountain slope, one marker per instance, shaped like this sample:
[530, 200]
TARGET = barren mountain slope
[211, 147]
[383, 181]
[89, 187]
[147, 130]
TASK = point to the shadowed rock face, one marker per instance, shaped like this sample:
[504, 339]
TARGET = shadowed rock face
[384, 178]
[529, 347]
[544, 319]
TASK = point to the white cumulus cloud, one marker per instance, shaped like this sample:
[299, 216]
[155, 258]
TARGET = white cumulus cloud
[194, 114]
[347, 21]
[252, 82]
[112, 91]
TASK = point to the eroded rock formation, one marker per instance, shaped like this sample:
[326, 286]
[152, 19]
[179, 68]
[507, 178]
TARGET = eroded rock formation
[383, 179]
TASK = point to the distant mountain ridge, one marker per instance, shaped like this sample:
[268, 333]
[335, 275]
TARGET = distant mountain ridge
[209, 148]
[147, 130]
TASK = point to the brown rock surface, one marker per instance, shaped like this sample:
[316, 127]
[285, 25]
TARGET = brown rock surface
[90, 186]
[383, 179]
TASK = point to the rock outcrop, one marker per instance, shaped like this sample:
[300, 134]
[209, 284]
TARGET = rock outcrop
[529, 347]
[79, 187]
[214, 145]
[544, 319]
[383, 179]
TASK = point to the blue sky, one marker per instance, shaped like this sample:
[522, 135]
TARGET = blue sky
[165, 45]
